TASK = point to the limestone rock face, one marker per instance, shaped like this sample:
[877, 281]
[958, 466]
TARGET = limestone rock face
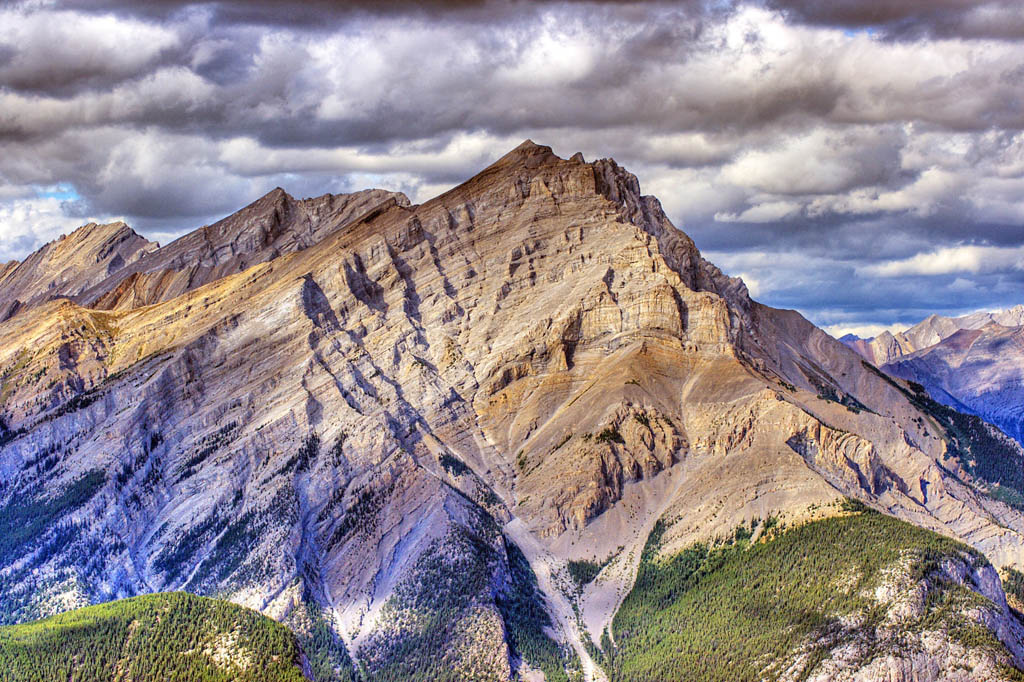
[272, 225]
[305, 405]
[70, 265]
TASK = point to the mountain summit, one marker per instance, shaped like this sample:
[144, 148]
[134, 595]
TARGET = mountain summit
[488, 437]
[69, 265]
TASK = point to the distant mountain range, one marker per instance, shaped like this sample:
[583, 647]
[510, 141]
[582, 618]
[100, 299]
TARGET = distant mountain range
[521, 431]
[973, 363]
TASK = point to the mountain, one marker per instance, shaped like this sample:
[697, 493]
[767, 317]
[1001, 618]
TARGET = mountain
[172, 637]
[887, 347]
[111, 267]
[70, 265]
[973, 363]
[494, 436]
[273, 225]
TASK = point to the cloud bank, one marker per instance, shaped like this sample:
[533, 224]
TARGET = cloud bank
[860, 161]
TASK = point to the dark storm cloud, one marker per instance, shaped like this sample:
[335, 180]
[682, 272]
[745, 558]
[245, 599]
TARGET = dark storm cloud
[806, 145]
[910, 19]
[273, 12]
[327, 14]
[60, 53]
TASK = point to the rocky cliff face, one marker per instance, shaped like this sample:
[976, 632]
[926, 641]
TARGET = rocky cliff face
[397, 423]
[70, 265]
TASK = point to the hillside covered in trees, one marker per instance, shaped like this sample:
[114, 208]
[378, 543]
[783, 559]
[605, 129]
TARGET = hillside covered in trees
[776, 603]
[168, 637]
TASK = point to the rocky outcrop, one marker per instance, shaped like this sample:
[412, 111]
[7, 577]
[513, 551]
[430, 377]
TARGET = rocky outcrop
[951, 624]
[66, 267]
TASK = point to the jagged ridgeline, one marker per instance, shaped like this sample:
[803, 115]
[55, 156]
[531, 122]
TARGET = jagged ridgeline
[972, 363]
[504, 434]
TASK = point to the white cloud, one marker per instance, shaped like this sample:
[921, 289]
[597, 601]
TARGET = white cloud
[767, 212]
[55, 48]
[946, 261]
[864, 331]
[28, 223]
[821, 161]
[963, 284]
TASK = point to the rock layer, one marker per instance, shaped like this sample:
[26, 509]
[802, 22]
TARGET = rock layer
[70, 265]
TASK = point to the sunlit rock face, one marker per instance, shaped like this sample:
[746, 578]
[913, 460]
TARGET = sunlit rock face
[68, 266]
[329, 406]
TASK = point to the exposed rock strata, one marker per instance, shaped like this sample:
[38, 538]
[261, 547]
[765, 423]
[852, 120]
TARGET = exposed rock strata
[70, 265]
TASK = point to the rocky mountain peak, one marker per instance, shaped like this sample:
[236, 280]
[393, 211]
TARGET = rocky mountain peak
[273, 225]
[96, 236]
[70, 264]
[528, 154]
[888, 347]
[1011, 317]
[534, 173]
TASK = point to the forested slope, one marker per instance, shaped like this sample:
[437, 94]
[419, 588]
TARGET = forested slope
[859, 593]
[167, 637]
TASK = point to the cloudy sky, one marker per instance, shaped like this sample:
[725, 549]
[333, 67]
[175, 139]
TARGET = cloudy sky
[861, 161]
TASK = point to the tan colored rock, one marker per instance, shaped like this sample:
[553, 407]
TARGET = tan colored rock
[66, 267]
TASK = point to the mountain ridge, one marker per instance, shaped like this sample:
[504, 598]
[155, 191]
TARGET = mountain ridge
[69, 265]
[887, 347]
[273, 224]
[972, 363]
[529, 369]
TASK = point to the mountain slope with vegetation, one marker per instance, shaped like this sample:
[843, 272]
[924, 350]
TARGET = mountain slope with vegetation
[171, 637]
[858, 594]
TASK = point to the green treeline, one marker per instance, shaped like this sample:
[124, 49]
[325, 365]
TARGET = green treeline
[522, 608]
[328, 658]
[442, 621]
[584, 571]
[728, 613]
[167, 637]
